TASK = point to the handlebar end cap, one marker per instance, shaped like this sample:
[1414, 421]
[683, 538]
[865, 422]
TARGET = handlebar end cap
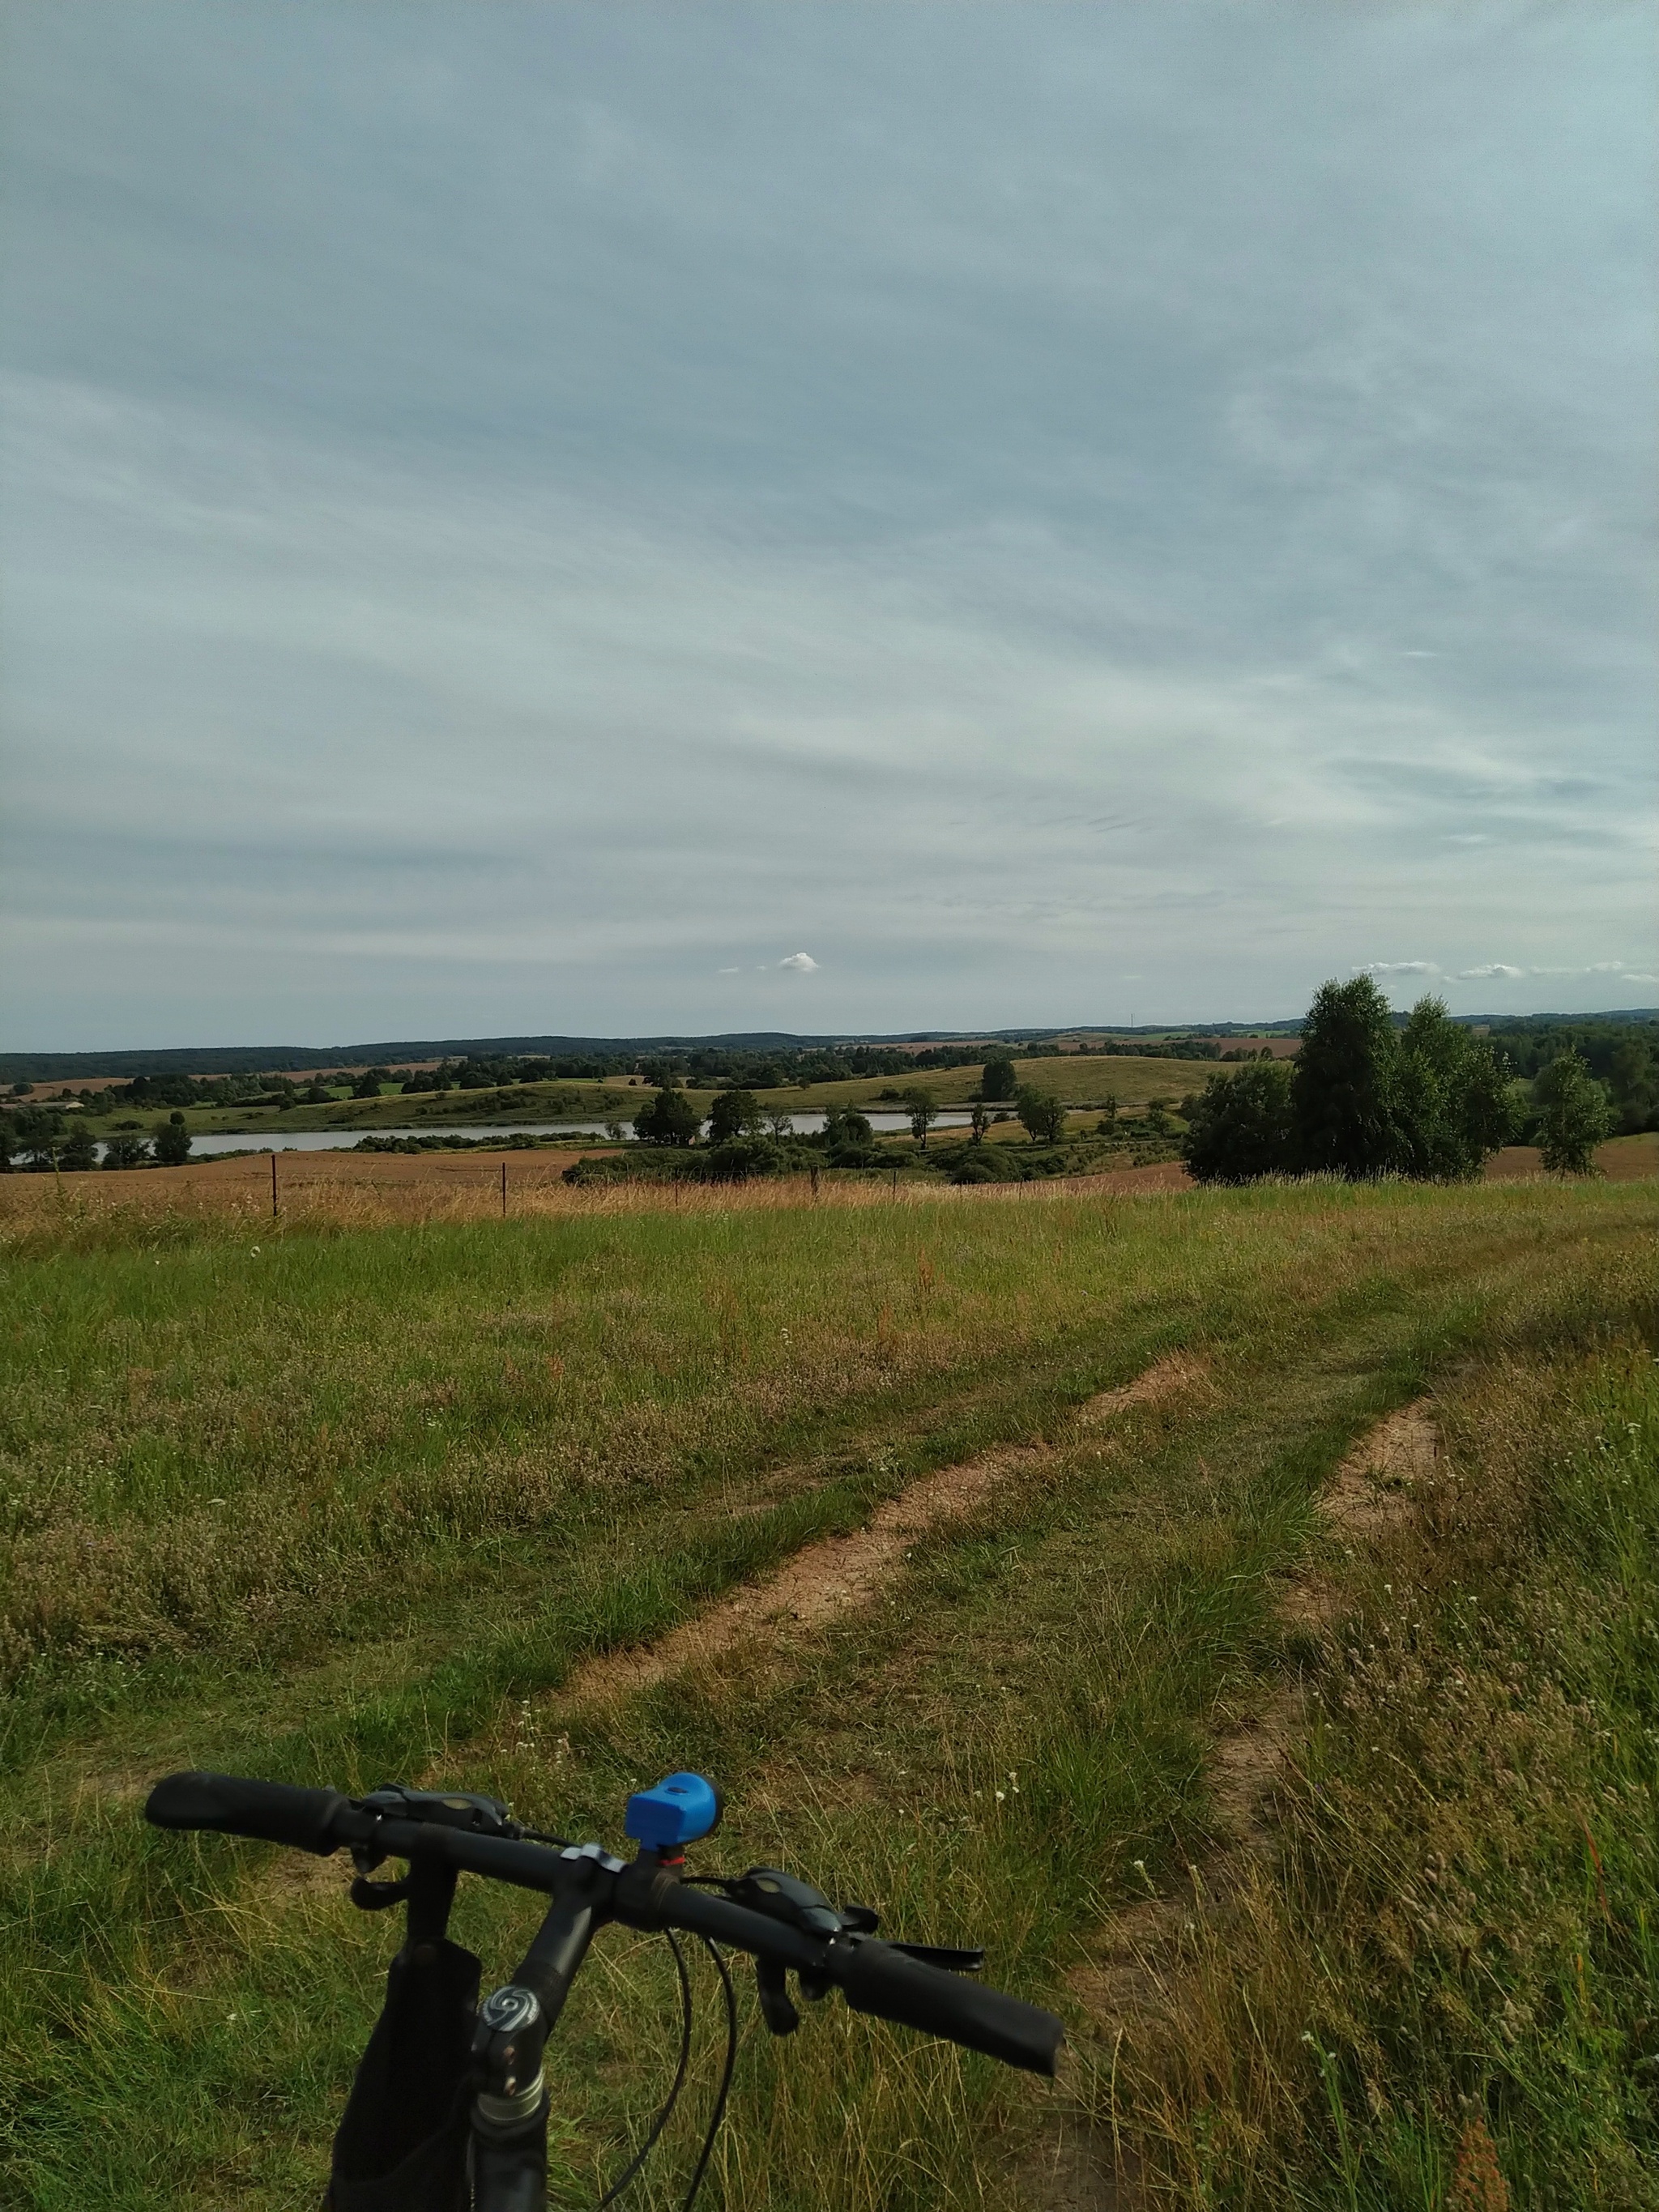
[680, 1808]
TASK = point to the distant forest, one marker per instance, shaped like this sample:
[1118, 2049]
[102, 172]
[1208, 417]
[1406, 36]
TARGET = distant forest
[763, 1060]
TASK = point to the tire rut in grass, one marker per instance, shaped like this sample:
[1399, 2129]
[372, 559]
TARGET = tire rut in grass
[836, 1575]
[1124, 1983]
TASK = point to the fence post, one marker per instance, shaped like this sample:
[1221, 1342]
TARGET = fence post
[273, 1186]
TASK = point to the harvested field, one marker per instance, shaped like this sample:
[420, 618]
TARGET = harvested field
[365, 1187]
[1622, 1159]
[347, 1186]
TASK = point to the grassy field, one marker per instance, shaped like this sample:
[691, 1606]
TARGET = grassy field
[338, 1502]
[1076, 1079]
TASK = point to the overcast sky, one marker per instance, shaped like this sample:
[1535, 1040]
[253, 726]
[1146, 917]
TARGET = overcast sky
[610, 518]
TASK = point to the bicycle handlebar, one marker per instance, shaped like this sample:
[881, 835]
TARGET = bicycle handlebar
[271, 1812]
[875, 1977]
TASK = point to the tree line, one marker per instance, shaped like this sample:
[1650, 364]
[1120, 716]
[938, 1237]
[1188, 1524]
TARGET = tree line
[1366, 1097]
[42, 1139]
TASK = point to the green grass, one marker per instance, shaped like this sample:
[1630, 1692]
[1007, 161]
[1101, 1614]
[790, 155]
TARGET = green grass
[1456, 1948]
[352, 1505]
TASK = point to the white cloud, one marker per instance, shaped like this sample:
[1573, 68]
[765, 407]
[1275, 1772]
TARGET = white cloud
[1398, 967]
[1501, 971]
[802, 962]
[728, 971]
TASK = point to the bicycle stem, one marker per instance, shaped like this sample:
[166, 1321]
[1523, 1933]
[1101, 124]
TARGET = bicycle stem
[511, 2108]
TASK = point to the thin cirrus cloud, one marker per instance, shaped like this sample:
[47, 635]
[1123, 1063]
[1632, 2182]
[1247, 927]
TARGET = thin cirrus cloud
[1090, 512]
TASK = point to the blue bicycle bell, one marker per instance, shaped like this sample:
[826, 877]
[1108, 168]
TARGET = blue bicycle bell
[681, 1808]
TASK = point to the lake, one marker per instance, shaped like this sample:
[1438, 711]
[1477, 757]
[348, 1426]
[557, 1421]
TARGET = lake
[807, 1123]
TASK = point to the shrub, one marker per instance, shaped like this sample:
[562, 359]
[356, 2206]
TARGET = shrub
[848, 1140]
[743, 1156]
[973, 1167]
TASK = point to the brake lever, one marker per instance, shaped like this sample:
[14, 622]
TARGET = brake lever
[785, 1897]
[942, 1954]
[443, 1808]
[777, 2008]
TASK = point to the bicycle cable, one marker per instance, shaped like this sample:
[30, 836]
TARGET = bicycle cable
[631, 2171]
[724, 2089]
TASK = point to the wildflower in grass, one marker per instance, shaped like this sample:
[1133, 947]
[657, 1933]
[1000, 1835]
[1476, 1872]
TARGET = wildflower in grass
[1478, 2182]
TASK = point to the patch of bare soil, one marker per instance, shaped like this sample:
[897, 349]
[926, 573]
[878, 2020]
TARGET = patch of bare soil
[1123, 1984]
[1172, 1377]
[834, 1575]
[1371, 1490]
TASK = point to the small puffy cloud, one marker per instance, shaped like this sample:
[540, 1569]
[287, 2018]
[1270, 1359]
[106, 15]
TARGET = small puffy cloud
[1493, 971]
[1629, 977]
[728, 971]
[1398, 967]
[802, 962]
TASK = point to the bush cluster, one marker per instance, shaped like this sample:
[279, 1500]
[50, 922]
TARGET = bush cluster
[1431, 1100]
[1361, 1099]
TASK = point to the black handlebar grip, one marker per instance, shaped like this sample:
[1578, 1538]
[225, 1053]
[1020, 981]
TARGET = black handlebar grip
[274, 1811]
[882, 1980]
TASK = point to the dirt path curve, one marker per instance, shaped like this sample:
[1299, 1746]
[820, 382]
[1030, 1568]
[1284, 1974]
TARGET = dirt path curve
[841, 1574]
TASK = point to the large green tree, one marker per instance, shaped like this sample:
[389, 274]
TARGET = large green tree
[670, 1119]
[38, 1132]
[1344, 1085]
[923, 1109]
[1452, 1109]
[1041, 1115]
[734, 1113]
[172, 1142]
[1576, 1114]
[80, 1149]
[998, 1079]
